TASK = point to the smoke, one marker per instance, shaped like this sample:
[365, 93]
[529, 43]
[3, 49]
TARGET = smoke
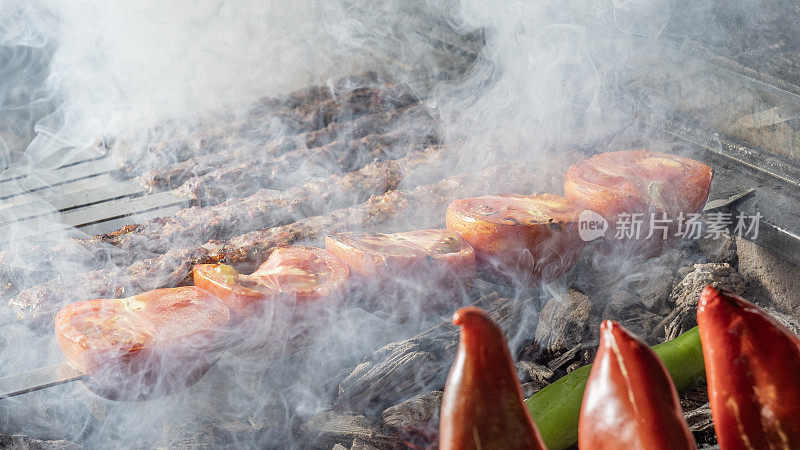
[115, 66]
[553, 77]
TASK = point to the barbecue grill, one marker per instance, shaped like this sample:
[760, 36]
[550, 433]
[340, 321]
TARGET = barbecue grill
[736, 110]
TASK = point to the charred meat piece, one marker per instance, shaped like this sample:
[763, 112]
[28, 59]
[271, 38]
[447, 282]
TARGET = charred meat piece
[263, 209]
[262, 124]
[244, 178]
[174, 175]
[422, 207]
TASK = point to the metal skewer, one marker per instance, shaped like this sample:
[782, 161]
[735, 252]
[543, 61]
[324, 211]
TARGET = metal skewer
[37, 379]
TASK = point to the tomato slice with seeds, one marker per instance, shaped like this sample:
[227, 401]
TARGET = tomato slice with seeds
[127, 344]
[525, 239]
[302, 273]
[434, 261]
[619, 184]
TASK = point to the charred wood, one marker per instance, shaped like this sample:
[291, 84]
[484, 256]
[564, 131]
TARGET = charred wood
[401, 370]
[21, 442]
[419, 414]
[686, 294]
[563, 322]
[329, 428]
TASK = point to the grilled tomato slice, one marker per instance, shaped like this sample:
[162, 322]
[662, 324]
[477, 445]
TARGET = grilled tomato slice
[423, 265]
[525, 239]
[142, 346]
[652, 185]
[301, 273]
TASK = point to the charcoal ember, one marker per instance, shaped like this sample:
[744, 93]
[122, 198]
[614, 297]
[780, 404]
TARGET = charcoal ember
[699, 419]
[697, 412]
[418, 416]
[625, 308]
[722, 250]
[21, 442]
[528, 389]
[786, 320]
[401, 370]
[328, 428]
[214, 432]
[687, 293]
[645, 279]
[574, 358]
[563, 322]
[535, 374]
[650, 293]
[360, 444]
[397, 371]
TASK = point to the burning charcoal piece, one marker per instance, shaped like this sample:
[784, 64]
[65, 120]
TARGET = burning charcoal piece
[697, 412]
[360, 444]
[721, 250]
[686, 294]
[214, 432]
[418, 415]
[20, 442]
[401, 370]
[533, 376]
[422, 207]
[563, 322]
[328, 428]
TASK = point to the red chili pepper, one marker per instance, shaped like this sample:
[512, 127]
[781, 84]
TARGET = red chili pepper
[752, 367]
[482, 406]
[630, 401]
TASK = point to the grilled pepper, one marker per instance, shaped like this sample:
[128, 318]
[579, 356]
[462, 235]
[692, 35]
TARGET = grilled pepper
[630, 401]
[753, 363]
[482, 406]
[556, 407]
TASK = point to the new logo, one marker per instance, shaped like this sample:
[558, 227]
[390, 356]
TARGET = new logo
[591, 225]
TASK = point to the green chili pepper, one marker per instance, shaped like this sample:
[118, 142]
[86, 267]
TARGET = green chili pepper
[555, 408]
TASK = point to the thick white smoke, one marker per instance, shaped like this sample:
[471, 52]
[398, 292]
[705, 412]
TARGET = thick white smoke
[554, 76]
[115, 66]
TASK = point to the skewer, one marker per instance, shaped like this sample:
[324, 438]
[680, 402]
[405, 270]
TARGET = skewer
[37, 379]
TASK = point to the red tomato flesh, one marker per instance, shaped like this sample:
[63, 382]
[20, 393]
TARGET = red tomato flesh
[159, 340]
[434, 261]
[302, 273]
[639, 182]
[525, 239]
